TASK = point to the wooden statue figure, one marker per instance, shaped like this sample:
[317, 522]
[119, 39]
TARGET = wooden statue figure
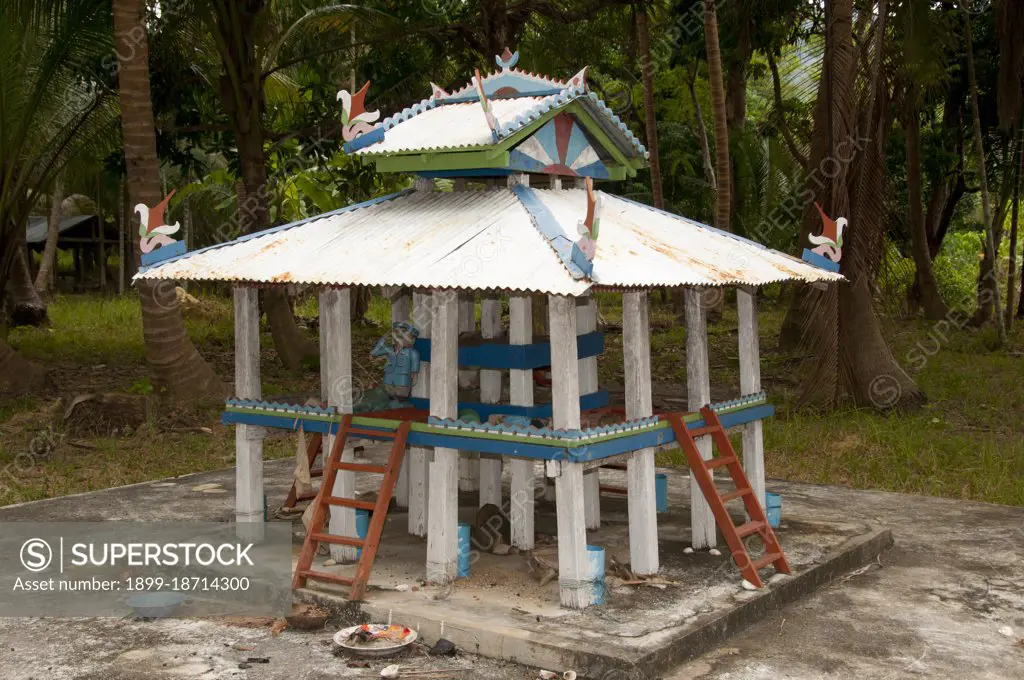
[402, 365]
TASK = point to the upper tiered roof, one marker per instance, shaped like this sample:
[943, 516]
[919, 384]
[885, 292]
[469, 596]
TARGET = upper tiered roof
[507, 121]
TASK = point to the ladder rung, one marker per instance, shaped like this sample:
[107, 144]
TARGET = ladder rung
[362, 432]
[721, 461]
[738, 493]
[701, 431]
[360, 467]
[762, 562]
[307, 496]
[338, 540]
[749, 528]
[350, 503]
[316, 472]
[332, 578]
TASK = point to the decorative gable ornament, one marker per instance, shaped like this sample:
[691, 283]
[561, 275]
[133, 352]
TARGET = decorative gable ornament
[828, 248]
[155, 241]
[492, 121]
[355, 119]
[589, 227]
[507, 60]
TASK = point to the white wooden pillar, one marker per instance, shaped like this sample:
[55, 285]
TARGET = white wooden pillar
[586, 322]
[556, 182]
[401, 309]
[581, 182]
[420, 457]
[521, 503]
[641, 499]
[750, 383]
[490, 393]
[575, 591]
[443, 518]
[336, 353]
[469, 378]
[248, 438]
[519, 178]
[698, 393]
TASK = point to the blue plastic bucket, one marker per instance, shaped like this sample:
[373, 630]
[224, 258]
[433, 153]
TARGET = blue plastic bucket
[595, 573]
[362, 526]
[661, 491]
[773, 509]
[465, 548]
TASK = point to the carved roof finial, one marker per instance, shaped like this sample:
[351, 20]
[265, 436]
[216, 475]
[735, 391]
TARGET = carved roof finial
[507, 59]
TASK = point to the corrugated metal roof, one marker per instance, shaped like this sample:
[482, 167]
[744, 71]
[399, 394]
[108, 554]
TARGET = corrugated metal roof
[639, 246]
[449, 126]
[490, 241]
[469, 240]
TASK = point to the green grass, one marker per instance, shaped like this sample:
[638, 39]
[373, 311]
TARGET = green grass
[966, 442]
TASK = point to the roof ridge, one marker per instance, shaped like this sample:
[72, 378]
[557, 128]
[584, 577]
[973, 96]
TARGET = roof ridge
[549, 228]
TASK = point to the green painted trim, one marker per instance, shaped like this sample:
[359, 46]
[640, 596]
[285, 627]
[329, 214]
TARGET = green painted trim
[442, 160]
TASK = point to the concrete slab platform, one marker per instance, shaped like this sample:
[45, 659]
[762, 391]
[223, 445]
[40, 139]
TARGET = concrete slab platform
[946, 601]
[501, 612]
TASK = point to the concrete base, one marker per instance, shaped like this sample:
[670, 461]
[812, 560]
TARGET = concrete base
[501, 611]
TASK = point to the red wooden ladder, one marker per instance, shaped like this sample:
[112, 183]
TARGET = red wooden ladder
[701, 471]
[324, 500]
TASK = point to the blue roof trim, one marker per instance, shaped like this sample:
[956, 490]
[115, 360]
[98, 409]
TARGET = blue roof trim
[372, 137]
[812, 258]
[162, 253]
[473, 97]
[549, 228]
[290, 225]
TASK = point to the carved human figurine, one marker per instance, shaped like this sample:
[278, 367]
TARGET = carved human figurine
[402, 365]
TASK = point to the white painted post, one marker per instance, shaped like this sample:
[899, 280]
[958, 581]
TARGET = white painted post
[424, 184]
[469, 378]
[420, 457]
[581, 182]
[401, 309]
[556, 182]
[460, 184]
[586, 322]
[574, 591]
[490, 393]
[698, 391]
[521, 503]
[443, 517]
[519, 178]
[248, 438]
[336, 353]
[750, 383]
[642, 503]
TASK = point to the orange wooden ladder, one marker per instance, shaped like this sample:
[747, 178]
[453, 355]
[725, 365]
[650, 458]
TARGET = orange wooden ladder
[701, 471]
[324, 500]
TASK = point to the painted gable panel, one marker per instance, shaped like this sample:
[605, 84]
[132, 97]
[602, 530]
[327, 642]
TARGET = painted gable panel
[559, 147]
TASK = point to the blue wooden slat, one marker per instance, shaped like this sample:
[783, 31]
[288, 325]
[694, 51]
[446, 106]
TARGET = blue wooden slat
[523, 357]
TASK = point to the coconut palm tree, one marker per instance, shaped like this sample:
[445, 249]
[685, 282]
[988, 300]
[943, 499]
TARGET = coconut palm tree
[723, 174]
[53, 106]
[176, 368]
[647, 69]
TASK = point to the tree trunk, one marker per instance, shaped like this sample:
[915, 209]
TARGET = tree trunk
[722, 167]
[1011, 275]
[24, 305]
[990, 241]
[241, 94]
[702, 131]
[856, 359]
[736, 95]
[647, 69]
[176, 368]
[45, 277]
[17, 374]
[928, 288]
